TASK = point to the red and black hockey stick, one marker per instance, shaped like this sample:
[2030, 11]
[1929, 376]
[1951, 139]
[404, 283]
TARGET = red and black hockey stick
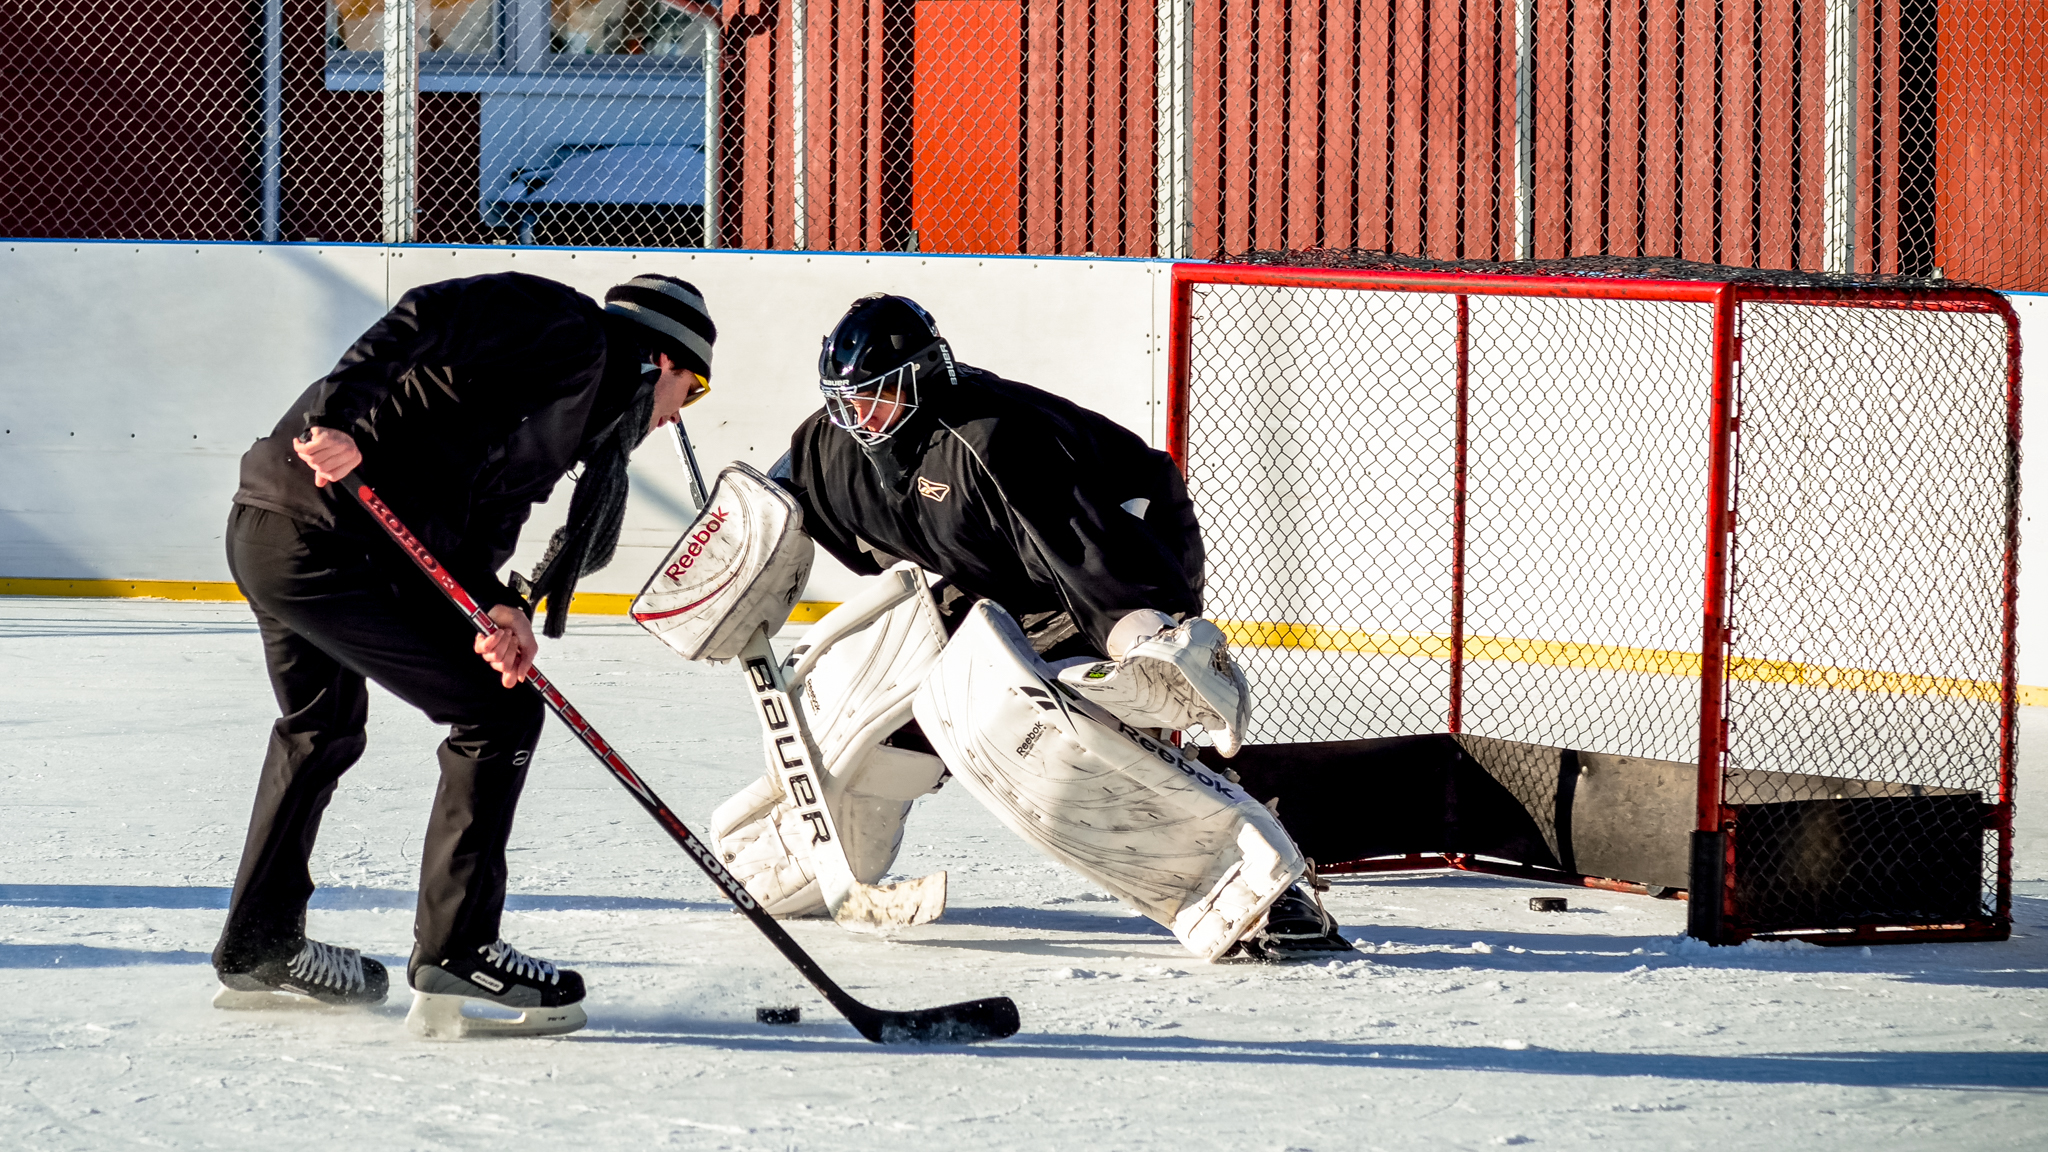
[988, 1019]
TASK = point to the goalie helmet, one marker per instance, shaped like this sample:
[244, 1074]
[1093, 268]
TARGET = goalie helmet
[879, 363]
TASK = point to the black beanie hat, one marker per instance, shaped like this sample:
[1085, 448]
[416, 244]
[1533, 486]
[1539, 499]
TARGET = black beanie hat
[673, 314]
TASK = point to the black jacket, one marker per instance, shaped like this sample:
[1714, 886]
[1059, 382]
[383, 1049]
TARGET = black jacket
[469, 400]
[1012, 494]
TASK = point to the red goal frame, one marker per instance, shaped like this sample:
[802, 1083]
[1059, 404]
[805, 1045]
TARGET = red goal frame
[1720, 919]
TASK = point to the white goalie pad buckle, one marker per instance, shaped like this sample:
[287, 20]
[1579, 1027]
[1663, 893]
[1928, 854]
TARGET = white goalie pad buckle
[739, 568]
[1168, 837]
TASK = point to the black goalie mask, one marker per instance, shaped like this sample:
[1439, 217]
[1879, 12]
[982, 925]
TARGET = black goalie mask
[882, 360]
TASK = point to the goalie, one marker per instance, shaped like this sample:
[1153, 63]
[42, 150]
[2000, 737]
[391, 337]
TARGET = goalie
[1059, 640]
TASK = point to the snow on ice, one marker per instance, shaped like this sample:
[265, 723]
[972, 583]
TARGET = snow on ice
[131, 732]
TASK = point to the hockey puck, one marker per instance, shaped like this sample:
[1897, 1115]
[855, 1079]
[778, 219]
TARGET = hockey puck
[1547, 904]
[778, 1015]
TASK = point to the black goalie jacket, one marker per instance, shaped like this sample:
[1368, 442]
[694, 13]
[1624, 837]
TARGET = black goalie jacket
[1012, 494]
[468, 400]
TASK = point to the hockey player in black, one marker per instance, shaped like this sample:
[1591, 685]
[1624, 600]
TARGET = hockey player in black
[1067, 520]
[464, 406]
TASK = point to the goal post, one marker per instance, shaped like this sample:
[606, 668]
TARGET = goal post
[1713, 579]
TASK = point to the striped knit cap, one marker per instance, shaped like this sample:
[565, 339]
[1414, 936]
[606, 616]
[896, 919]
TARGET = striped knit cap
[673, 313]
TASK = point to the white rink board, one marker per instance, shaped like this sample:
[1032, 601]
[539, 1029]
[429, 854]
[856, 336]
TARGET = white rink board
[137, 374]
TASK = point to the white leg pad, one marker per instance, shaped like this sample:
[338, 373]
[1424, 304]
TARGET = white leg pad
[435, 1017]
[857, 694]
[1163, 834]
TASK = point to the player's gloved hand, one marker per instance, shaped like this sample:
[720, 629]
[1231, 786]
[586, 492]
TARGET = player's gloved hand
[511, 649]
[329, 453]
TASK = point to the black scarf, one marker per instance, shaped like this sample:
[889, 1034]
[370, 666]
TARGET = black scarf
[597, 511]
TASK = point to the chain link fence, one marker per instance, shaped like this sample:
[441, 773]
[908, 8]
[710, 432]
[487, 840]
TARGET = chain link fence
[1487, 505]
[1900, 137]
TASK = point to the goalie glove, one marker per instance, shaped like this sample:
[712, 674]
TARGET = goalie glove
[1170, 676]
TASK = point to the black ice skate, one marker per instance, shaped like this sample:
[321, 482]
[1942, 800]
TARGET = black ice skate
[1297, 927]
[316, 976]
[547, 998]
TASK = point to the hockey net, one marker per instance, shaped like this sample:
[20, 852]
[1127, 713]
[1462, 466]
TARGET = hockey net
[1759, 532]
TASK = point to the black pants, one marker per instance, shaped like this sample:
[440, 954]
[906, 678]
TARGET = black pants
[334, 609]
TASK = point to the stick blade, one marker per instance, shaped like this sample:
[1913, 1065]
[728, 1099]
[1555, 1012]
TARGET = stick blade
[966, 1023]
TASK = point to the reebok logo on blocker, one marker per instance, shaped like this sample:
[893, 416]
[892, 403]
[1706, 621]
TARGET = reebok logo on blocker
[932, 490]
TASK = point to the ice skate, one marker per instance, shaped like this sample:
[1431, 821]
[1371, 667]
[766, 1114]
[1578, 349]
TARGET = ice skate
[1178, 678]
[497, 975]
[1297, 927]
[317, 976]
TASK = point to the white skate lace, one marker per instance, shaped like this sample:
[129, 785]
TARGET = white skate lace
[506, 958]
[327, 964]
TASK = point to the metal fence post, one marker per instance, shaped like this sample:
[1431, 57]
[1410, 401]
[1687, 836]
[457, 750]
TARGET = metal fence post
[273, 117]
[714, 128]
[1173, 104]
[799, 105]
[1525, 129]
[401, 117]
[1839, 243]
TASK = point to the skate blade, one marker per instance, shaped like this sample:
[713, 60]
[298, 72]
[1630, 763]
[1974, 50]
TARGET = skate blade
[266, 1000]
[437, 1017]
[884, 907]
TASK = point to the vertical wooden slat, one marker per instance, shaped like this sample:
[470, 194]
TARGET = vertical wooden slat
[1410, 62]
[1210, 126]
[1080, 156]
[1240, 145]
[1553, 129]
[1111, 22]
[1306, 126]
[1083, 153]
[1475, 160]
[1269, 137]
[1339, 95]
[1660, 149]
[1625, 124]
[1777, 194]
[763, 206]
[1701, 219]
[1441, 173]
[1137, 142]
[869, 70]
[1738, 120]
[1812, 143]
[1589, 76]
[1041, 164]
[1374, 172]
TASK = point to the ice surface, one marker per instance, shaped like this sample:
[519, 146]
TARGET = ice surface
[130, 734]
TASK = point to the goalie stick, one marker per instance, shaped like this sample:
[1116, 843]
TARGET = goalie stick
[987, 1019]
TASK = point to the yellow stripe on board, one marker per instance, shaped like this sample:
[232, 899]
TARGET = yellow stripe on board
[1254, 634]
[221, 591]
[1609, 658]
[218, 590]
